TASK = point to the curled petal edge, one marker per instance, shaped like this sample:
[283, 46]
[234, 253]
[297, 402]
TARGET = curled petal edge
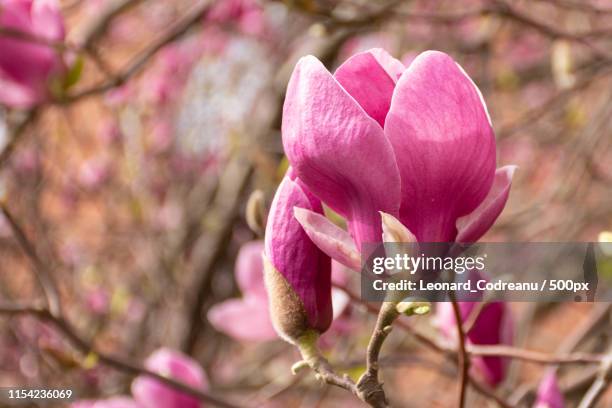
[329, 238]
[473, 226]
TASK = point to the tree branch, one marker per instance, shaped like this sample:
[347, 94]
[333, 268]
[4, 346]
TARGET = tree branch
[44, 276]
[61, 324]
[181, 27]
[462, 357]
[369, 387]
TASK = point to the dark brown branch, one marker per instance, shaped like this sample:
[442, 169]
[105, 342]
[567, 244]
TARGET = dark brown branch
[506, 9]
[369, 386]
[579, 5]
[463, 358]
[97, 26]
[15, 135]
[133, 67]
[532, 356]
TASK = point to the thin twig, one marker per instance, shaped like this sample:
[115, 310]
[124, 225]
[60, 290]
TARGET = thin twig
[180, 28]
[97, 26]
[426, 340]
[312, 357]
[599, 386]
[43, 275]
[462, 357]
[16, 134]
[532, 356]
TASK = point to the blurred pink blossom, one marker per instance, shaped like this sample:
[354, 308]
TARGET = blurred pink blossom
[109, 132]
[98, 301]
[27, 66]
[246, 14]
[247, 318]
[93, 173]
[168, 216]
[164, 81]
[119, 95]
[26, 162]
[150, 393]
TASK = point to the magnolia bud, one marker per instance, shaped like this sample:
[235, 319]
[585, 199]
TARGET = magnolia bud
[413, 307]
[297, 273]
[255, 212]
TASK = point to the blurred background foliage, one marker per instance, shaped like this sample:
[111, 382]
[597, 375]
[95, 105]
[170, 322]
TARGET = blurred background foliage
[133, 183]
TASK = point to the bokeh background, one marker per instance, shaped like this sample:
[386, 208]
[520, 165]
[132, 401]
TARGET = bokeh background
[132, 185]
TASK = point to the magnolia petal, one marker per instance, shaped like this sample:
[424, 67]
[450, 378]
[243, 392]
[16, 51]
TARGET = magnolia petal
[28, 65]
[443, 143]
[330, 238]
[47, 19]
[246, 319]
[340, 301]
[394, 230]
[338, 151]
[474, 225]
[290, 251]
[365, 78]
[490, 328]
[249, 269]
[393, 66]
[17, 95]
[493, 326]
[339, 275]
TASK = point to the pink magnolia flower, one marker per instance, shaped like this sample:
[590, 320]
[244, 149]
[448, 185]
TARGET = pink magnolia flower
[549, 395]
[416, 143]
[150, 393]
[115, 402]
[297, 273]
[27, 65]
[493, 325]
